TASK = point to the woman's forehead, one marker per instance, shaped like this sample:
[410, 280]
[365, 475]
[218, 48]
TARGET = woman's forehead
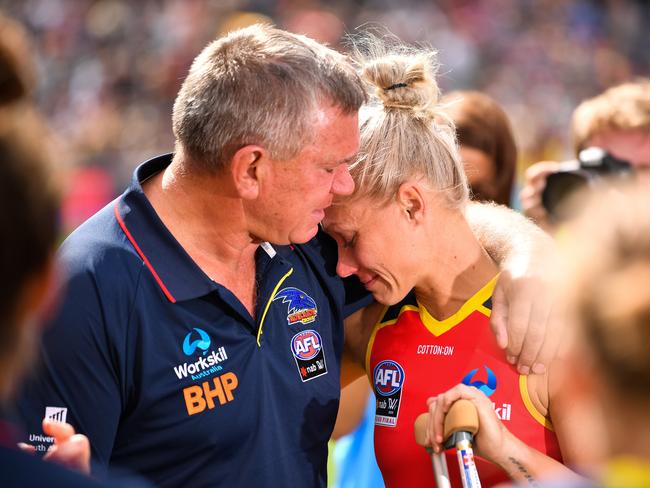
[346, 214]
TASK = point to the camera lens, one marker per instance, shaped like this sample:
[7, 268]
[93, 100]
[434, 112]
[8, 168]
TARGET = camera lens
[558, 187]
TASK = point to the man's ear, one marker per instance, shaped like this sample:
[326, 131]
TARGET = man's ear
[411, 201]
[246, 170]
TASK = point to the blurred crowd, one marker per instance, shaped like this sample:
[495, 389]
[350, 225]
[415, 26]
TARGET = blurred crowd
[109, 69]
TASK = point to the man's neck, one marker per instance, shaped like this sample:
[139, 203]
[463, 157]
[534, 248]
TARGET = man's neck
[205, 216]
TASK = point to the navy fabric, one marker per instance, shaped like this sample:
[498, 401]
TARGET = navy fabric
[21, 470]
[164, 374]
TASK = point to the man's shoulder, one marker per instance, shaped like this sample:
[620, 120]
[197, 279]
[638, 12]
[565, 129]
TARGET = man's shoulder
[98, 245]
[23, 470]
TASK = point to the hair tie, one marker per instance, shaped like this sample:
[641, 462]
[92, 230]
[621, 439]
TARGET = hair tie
[396, 85]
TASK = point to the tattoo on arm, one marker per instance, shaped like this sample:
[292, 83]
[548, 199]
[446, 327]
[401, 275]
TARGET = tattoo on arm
[524, 472]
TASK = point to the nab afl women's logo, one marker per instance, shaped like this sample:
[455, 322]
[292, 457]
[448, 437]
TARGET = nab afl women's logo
[389, 378]
[309, 354]
[306, 344]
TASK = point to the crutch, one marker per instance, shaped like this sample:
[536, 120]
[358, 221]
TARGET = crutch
[461, 423]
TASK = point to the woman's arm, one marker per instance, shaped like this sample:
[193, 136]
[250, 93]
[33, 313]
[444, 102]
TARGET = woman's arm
[494, 441]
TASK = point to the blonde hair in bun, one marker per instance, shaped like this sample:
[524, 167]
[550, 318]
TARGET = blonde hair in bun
[405, 132]
[404, 82]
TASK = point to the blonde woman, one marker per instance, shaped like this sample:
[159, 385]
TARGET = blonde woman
[404, 233]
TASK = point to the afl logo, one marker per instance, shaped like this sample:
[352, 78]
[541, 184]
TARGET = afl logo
[389, 377]
[306, 344]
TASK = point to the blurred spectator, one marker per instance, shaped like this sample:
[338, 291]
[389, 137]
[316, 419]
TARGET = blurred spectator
[30, 199]
[487, 145]
[538, 58]
[617, 121]
[604, 280]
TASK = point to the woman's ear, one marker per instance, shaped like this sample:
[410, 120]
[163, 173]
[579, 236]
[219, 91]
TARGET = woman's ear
[411, 201]
[247, 170]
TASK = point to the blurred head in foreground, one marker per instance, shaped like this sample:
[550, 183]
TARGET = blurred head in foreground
[606, 278]
[29, 198]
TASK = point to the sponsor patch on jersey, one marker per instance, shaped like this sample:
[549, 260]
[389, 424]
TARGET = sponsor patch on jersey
[307, 350]
[41, 442]
[488, 387]
[191, 344]
[388, 381]
[207, 358]
[57, 414]
[435, 350]
[301, 308]
[221, 388]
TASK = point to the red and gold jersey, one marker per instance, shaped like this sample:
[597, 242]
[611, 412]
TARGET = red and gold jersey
[412, 356]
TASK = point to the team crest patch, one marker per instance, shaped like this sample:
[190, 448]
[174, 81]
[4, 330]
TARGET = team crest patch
[388, 380]
[301, 308]
[307, 350]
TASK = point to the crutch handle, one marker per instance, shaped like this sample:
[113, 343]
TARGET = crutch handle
[462, 417]
[420, 427]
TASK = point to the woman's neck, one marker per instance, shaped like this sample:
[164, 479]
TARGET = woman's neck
[458, 268]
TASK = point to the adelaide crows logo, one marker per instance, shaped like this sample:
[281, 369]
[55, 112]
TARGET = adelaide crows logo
[488, 387]
[301, 307]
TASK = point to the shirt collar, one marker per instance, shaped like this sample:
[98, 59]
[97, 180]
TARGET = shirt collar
[175, 272]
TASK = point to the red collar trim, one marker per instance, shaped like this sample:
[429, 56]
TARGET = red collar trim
[162, 286]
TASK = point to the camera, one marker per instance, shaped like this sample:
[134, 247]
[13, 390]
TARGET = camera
[593, 166]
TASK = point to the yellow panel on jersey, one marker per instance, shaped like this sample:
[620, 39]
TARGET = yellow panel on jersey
[474, 304]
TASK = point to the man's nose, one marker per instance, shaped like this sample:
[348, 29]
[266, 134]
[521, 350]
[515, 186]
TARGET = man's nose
[342, 184]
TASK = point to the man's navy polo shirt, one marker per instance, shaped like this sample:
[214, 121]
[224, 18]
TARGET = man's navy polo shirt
[165, 370]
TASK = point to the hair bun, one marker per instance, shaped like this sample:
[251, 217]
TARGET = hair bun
[404, 81]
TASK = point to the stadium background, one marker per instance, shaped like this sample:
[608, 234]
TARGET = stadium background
[109, 69]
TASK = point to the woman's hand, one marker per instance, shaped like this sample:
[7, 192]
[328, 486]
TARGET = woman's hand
[492, 442]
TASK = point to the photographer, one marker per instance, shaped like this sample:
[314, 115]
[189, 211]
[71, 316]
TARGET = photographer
[617, 121]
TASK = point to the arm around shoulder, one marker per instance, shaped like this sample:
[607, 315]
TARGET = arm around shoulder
[524, 317]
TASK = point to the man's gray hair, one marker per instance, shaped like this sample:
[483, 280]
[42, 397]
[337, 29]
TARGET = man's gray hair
[259, 85]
